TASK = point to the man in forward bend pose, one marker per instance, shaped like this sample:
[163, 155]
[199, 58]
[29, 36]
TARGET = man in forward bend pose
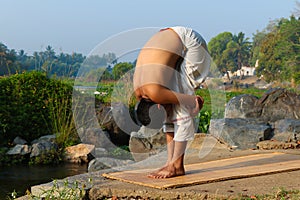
[171, 65]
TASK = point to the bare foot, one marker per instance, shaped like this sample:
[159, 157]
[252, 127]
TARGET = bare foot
[167, 172]
[158, 170]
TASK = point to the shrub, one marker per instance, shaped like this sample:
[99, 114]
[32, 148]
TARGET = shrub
[27, 103]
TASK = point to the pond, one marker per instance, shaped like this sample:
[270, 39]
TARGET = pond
[20, 178]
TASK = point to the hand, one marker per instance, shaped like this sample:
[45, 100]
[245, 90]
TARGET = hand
[199, 104]
[200, 101]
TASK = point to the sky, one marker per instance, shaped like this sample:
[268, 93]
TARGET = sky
[79, 26]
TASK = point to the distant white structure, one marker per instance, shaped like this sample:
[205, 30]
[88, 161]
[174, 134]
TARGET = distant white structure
[245, 71]
[248, 71]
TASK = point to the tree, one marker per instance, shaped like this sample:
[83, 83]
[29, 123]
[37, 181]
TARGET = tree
[239, 50]
[280, 59]
[230, 52]
[255, 48]
[120, 69]
[7, 59]
[217, 46]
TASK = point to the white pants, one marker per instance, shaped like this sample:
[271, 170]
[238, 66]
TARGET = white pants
[193, 72]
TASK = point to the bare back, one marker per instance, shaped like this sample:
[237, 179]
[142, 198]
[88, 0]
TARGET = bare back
[157, 61]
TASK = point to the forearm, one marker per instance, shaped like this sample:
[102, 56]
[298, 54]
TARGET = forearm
[162, 95]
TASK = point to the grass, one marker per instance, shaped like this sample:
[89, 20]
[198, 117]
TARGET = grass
[60, 190]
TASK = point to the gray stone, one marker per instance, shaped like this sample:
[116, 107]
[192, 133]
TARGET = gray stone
[240, 133]
[287, 130]
[42, 147]
[116, 119]
[97, 137]
[242, 106]
[45, 138]
[107, 162]
[100, 152]
[146, 142]
[19, 140]
[19, 150]
[277, 104]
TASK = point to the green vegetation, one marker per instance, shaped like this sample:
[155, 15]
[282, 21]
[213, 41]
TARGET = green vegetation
[279, 58]
[33, 105]
[229, 51]
[64, 191]
[30, 104]
[276, 49]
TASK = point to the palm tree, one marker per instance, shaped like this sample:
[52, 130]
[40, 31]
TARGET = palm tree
[239, 50]
[7, 59]
[50, 53]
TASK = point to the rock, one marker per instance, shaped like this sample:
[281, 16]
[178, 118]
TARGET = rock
[47, 138]
[96, 137]
[79, 153]
[19, 140]
[274, 105]
[146, 142]
[277, 104]
[100, 152]
[287, 130]
[271, 144]
[240, 133]
[278, 107]
[242, 107]
[42, 147]
[107, 162]
[19, 150]
[118, 123]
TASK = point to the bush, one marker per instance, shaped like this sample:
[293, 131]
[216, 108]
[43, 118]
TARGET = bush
[26, 103]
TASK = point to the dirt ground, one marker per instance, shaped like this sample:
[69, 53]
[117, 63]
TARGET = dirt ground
[265, 184]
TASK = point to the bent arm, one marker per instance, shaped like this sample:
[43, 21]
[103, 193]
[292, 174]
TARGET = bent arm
[162, 95]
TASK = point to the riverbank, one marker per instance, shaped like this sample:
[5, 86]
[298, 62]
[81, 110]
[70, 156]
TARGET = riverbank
[101, 188]
[20, 178]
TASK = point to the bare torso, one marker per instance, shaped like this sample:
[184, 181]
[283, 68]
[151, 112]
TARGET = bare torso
[156, 61]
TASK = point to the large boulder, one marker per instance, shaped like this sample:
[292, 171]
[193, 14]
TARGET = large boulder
[97, 137]
[277, 104]
[287, 130]
[242, 106]
[249, 120]
[117, 121]
[240, 133]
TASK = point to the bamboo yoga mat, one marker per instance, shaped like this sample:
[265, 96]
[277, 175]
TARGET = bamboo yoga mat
[213, 171]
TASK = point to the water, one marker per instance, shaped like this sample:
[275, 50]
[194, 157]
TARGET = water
[21, 178]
